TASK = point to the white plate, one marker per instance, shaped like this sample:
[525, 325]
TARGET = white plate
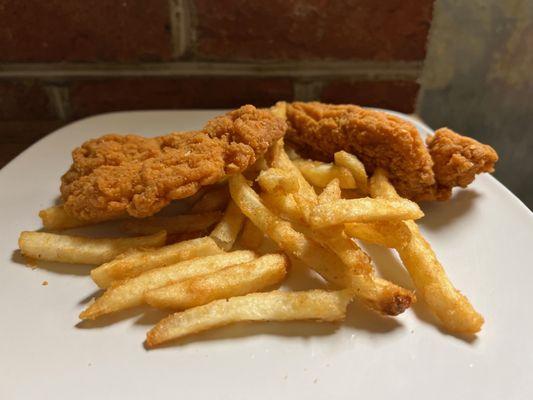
[483, 237]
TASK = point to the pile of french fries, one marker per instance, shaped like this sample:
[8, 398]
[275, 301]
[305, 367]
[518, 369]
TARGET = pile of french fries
[307, 210]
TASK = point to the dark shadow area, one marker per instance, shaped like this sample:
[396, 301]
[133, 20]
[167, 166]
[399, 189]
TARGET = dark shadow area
[57, 268]
[106, 320]
[96, 293]
[388, 266]
[440, 214]
[425, 315]
[361, 318]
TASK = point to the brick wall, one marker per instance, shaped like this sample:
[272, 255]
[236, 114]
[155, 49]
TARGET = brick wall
[63, 60]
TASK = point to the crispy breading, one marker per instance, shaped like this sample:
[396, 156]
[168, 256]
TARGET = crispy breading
[379, 139]
[116, 175]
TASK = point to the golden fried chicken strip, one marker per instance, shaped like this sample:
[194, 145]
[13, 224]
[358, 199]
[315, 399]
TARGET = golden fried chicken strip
[378, 139]
[116, 175]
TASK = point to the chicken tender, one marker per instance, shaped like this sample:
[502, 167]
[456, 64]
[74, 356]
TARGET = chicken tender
[381, 140]
[116, 175]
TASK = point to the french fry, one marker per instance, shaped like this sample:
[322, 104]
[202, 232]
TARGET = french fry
[282, 233]
[450, 306]
[320, 174]
[356, 168]
[82, 250]
[131, 264]
[363, 210]
[272, 306]
[332, 192]
[232, 281]
[175, 224]
[285, 205]
[129, 293]
[275, 178]
[251, 237]
[215, 199]
[227, 230]
[56, 218]
[391, 234]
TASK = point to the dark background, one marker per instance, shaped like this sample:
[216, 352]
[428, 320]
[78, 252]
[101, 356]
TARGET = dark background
[466, 65]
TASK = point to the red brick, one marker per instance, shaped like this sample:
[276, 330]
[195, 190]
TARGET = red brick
[94, 97]
[24, 100]
[84, 30]
[313, 29]
[393, 95]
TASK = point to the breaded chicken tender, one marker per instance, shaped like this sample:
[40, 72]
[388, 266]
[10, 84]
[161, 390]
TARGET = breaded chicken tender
[116, 175]
[379, 139]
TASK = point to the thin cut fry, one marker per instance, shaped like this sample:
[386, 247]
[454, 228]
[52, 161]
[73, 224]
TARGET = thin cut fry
[272, 306]
[363, 210]
[285, 205]
[320, 174]
[134, 263]
[56, 218]
[227, 230]
[175, 224]
[129, 293]
[356, 168]
[390, 234]
[215, 199]
[275, 178]
[82, 250]
[450, 306]
[232, 281]
[332, 192]
[251, 237]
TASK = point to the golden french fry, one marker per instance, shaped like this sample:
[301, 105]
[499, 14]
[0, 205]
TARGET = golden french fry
[363, 210]
[285, 205]
[282, 233]
[215, 199]
[356, 168]
[227, 230]
[175, 224]
[275, 178]
[331, 192]
[236, 280]
[129, 293]
[320, 174]
[280, 159]
[450, 306]
[131, 264]
[392, 234]
[82, 250]
[272, 306]
[56, 218]
[280, 110]
[251, 236]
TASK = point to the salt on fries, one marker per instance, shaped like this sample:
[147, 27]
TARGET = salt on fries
[216, 287]
[129, 293]
[82, 250]
[317, 305]
[232, 281]
[135, 262]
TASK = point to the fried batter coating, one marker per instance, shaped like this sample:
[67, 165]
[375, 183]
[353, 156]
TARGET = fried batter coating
[378, 139]
[116, 175]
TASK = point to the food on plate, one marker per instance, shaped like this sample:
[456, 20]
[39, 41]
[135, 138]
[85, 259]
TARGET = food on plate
[135, 262]
[248, 202]
[181, 223]
[450, 306]
[379, 139]
[227, 230]
[235, 280]
[116, 175]
[317, 305]
[130, 292]
[82, 250]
